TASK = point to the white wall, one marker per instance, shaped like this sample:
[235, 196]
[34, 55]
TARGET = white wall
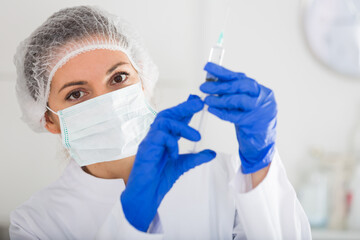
[263, 39]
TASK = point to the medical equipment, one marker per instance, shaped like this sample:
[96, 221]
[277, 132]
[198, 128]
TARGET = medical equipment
[108, 127]
[251, 107]
[354, 215]
[216, 56]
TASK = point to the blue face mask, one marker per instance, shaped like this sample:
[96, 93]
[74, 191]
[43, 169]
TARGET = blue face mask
[108, 127]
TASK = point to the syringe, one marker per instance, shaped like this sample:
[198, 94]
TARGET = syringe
[216, 56]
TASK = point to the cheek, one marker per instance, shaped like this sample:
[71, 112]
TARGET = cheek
[52, 102]
[134, 79]
[56, 102]
[55, 119]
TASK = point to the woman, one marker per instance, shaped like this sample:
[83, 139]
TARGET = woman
[83, 74]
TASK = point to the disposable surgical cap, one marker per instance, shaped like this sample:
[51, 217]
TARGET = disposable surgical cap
[62, 36]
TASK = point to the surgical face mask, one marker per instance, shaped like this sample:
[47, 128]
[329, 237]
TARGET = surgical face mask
[108, 127]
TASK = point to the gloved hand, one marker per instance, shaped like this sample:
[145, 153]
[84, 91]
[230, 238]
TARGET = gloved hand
[158, 164]
[251, 107]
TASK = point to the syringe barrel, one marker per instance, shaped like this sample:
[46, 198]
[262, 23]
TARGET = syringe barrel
[216, 56]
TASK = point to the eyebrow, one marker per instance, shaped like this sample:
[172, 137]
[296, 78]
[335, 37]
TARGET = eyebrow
[84, 82]
[114, 67]
[72, 84]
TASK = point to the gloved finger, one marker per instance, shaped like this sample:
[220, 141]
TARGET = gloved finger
[246, 85]
[161, 139]
[174, 169]
[185, 162]
[192, 97]
[222, 73]
[175, 128]
[188, 119]
[239, 101]
[184, 110]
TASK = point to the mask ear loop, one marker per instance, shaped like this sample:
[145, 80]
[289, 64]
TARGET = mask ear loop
[51, 110]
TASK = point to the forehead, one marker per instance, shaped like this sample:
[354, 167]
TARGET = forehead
[90, 64]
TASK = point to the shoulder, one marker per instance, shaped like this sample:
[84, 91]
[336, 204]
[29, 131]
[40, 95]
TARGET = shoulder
[38, 212]
[43, 199]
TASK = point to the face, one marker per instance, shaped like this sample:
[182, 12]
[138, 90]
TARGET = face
[86, 76]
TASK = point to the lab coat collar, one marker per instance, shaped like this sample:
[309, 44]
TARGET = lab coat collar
[105, 189]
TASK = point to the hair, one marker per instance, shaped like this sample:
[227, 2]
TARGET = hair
[57, 31]
[65, 34]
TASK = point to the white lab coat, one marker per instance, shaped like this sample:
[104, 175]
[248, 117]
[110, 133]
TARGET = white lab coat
[212, 201]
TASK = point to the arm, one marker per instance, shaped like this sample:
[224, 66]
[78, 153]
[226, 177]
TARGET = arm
[19, 229]
[278, 215]
[157, 166]
[267, 204]
[258, 176]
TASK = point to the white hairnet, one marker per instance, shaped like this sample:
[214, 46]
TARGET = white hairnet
[62, 36]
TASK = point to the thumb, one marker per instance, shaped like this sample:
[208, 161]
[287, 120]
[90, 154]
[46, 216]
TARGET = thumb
[186, 162]
[222, 73]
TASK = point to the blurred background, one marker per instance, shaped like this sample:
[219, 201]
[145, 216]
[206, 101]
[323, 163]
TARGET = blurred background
[307, 51]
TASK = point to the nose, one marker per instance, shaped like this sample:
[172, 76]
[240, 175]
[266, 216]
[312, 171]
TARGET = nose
[100, 89]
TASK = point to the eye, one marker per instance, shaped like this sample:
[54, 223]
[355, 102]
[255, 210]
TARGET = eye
[75, 95]
[119, 78]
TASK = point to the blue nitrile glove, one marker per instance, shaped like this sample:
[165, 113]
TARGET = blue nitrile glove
[251, 107]
[158, 164]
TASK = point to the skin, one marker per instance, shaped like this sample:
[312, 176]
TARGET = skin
[258, 176]
[90, 75]
[101, 79]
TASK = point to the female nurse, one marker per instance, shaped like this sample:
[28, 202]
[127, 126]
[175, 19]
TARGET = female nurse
[84, 76]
